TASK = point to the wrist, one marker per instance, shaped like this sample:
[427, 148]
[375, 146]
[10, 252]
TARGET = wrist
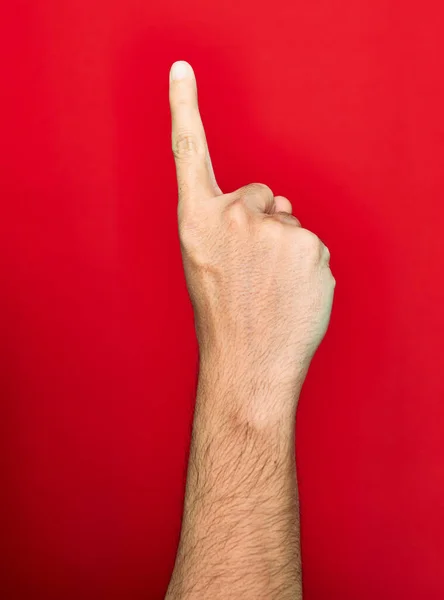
[243, 394]
[284, 370]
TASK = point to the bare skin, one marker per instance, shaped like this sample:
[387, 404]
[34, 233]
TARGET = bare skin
[262, 292]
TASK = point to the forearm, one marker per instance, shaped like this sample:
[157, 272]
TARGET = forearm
[240, 531]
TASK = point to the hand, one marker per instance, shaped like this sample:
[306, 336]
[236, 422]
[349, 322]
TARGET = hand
[260, 283]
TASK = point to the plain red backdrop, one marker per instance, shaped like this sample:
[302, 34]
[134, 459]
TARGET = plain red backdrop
[338, 106]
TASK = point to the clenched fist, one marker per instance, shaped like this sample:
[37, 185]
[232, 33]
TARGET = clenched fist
[260, 283]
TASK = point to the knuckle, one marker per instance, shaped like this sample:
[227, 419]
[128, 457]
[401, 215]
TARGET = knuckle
[273, 228]
[185, 145]
[258, 188]
[236, 213]
[286, 217]
[309, 241]
[326, 253]
[188, 225]
[263, 188]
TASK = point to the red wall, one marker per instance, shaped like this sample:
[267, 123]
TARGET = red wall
[337, 105]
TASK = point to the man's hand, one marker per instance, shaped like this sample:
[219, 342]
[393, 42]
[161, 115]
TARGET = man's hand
[262, 291]
[260, 284]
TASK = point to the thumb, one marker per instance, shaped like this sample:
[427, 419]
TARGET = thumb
[258, 197]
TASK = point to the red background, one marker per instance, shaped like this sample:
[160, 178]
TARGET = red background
[337, 105]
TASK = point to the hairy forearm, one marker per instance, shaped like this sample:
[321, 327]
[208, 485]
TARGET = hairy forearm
[240, 530]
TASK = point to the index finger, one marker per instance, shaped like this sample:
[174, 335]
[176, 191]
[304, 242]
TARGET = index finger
[195, 175]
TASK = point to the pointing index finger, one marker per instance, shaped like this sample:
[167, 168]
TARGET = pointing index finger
[195, 176]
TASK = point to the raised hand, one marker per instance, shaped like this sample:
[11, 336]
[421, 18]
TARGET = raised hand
[260, 283]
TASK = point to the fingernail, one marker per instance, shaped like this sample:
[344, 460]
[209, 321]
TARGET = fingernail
[180, 70]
